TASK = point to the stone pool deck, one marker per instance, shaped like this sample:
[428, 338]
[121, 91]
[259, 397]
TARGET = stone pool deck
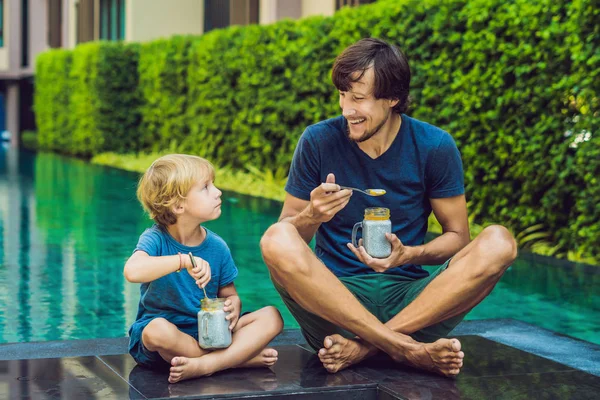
[505, 359]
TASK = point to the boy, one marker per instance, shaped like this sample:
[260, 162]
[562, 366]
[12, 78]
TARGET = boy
[179, 194]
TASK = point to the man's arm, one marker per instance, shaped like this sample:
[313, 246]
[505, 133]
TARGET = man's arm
[451, 213]
[295, 211]
[325, 201]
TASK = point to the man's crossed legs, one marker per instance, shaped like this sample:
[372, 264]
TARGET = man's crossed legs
[468, 279]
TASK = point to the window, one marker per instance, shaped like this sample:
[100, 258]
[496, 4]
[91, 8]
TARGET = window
[244, 12]
[223, 13]
[112, 19]
[55, 23]
[216, 14]
[84, 16]
[351, 3]
[24, 33]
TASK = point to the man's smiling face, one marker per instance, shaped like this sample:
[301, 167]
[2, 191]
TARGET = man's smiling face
[365, 114]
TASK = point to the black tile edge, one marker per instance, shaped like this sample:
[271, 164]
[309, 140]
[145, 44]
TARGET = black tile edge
[64, 348]
[292, 393]
[383, 393]
[556, 262]
[120, 377]
[288, 337]
[572, 352]
[100, 347]
[575, 353]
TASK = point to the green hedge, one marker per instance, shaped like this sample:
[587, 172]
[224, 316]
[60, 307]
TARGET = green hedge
[163, 67]
[51, 99]
[87, 99]
[516, 83]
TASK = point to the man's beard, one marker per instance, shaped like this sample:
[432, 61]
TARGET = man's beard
[368, 134]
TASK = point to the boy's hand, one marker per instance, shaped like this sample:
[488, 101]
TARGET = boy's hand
[201, 273]
[233, 304]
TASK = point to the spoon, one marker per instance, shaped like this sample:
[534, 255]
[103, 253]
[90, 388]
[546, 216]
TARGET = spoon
[194, 265]
[368, 192]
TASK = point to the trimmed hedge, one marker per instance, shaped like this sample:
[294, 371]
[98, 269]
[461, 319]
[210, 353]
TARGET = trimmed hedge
[51, 100]
[87, 99]
[516, 83]
[163, 67]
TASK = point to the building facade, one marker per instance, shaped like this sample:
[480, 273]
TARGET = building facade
[29, 27]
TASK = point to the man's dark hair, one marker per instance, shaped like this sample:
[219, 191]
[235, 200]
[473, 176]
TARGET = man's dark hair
[390, 67]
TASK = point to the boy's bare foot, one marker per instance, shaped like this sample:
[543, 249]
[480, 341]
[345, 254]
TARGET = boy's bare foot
[266, 358]
[339, 353]
[183, 368]
[442, 356]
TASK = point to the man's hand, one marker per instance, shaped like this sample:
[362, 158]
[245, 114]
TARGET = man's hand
[326, 200]
[201, 272]
[232, 305]
[400, 255]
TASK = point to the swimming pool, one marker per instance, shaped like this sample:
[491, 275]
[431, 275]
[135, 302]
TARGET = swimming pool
[67, 227]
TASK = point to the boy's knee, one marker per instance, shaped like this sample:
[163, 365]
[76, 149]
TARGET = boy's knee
[156, 333]
[272, 318]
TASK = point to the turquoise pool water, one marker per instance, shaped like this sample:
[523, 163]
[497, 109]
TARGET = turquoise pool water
[66, 228]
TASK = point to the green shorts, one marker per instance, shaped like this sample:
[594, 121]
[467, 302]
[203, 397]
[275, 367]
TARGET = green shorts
[383, 295]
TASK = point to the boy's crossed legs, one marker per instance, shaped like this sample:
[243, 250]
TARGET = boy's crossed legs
[188, 360]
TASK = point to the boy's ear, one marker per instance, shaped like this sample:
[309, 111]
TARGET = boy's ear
[177, 208]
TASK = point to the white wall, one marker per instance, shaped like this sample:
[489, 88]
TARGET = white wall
[4, 53]
[152, 19]
[273, 10]
[318, 7]
[38, 30]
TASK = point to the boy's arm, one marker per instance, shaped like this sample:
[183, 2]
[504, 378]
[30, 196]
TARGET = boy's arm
[228, 291]
[233, 305]
[142, 268]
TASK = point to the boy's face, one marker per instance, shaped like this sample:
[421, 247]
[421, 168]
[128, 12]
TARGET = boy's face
[203, 201]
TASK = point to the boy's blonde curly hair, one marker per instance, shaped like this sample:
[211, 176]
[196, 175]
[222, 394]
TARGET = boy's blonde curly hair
[167, 182]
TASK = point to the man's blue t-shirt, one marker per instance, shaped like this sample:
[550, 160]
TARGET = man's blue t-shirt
[422, 163]
[175, 296]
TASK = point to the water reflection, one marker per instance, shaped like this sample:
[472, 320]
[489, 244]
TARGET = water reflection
[68, 226]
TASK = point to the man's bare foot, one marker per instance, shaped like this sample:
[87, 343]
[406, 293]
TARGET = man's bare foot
[339, 353]
[183, 368]
[442, 356]
[266, 358]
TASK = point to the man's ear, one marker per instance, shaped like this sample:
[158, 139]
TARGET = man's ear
[393, 102]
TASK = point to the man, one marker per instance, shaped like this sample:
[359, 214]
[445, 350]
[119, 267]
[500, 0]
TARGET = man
[350, 305]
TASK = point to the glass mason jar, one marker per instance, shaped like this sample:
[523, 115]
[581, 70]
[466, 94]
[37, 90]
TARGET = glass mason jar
[375, 225]
[213, 328]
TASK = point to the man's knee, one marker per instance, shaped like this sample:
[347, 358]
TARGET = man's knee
[498, 248]
[279, 241]
[156, 334]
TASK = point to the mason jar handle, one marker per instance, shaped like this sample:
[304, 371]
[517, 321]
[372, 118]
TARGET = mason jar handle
[355, 229]
[205, 326]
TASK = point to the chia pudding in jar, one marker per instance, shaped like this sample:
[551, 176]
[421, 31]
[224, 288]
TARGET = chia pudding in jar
[375, 225]
[213, 328]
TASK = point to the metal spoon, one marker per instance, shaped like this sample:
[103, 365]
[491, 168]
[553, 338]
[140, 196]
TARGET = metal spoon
[368, 192]
[194, 265]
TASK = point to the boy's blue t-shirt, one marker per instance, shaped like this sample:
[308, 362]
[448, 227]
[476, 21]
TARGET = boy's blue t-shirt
[175, 296]
[422, 163]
